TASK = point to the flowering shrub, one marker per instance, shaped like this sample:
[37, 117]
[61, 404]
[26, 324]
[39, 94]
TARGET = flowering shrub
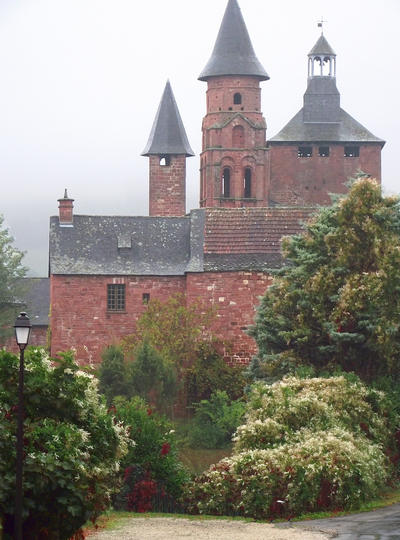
[153, 474]
[308, 444]
[72, 446]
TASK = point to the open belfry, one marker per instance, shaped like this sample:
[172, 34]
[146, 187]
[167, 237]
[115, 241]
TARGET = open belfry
[254, 189]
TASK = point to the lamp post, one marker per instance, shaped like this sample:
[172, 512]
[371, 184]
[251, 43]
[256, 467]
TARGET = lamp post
[22, 330]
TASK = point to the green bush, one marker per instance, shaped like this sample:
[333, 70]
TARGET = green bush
[72, 446]
[215, 421]
[208, 373]
[147, 375]
[312, 443]
[151, 465]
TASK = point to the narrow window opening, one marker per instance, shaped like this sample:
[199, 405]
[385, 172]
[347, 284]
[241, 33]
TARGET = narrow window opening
[247, 183]
[226, 182]
[165, 161]
[351, 151]
[323, 151]
[145, 298]
[304, 151]
[116, 297]
[237, 99]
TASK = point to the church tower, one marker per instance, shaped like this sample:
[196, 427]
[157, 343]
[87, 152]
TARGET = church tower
[322, 146]
[233, 164]
[167, 148]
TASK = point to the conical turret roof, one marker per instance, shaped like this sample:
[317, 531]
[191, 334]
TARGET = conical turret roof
[168, 134]
[322, 47]
[233, 52]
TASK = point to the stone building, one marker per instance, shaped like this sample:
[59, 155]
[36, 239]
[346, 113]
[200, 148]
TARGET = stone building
[105, 269]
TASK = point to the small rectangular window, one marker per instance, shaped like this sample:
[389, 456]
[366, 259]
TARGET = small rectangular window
[351, 151]
[145, 298]
[304, 151]
[323, 151]
[116, 297]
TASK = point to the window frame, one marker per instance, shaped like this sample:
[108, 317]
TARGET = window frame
[304, 151]
[116, 297]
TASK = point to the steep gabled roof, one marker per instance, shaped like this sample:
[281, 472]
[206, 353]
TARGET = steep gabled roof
[322, 47]
[168, 135]
[346, 130]
[233, 52]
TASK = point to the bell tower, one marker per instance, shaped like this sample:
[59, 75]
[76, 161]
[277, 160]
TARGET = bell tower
[233, 163]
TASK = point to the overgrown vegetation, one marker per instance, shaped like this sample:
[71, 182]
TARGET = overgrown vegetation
[72, 446]
[307, 444]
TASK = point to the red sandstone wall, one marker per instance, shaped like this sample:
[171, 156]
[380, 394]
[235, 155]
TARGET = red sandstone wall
[38, 338]
[79, 316]
[235, 295]
[308, 181]
[167, 187]
[222, 149]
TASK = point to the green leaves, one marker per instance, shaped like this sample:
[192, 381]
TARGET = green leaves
[337, 301]
[11, 272]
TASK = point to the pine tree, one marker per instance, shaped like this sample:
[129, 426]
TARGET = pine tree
[337, 302]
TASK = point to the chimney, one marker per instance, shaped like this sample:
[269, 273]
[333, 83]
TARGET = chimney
[65, 210]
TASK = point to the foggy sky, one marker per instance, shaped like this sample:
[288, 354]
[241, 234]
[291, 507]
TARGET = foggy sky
[81, 81]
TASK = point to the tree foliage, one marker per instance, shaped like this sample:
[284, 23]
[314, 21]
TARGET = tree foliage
[337, 302]
[72, 446]
[11, 272]
[176, 330]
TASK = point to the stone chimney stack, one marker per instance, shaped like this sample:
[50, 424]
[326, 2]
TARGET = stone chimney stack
[65, 210]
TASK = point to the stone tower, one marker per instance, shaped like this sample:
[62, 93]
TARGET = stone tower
[322, 146]
[167, 148]
[233, 164]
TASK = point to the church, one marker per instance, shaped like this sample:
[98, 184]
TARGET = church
[254, 189]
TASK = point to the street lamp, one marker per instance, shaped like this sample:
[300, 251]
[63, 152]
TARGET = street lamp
[22, 330]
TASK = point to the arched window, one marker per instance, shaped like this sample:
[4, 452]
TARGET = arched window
[237, 99]
[226, 182]
[165, 161]
[238, 137]
[247, 183]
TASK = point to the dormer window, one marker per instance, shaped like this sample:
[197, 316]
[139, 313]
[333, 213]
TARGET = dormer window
[165, 161]
[237, 99]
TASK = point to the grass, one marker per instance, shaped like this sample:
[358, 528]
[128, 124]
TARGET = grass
[114, 520]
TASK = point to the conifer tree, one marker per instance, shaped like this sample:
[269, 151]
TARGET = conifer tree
[337, 301]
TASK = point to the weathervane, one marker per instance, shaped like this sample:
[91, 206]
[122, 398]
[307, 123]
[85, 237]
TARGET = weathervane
[321, 24]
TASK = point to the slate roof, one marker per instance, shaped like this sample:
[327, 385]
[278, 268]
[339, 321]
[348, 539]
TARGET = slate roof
[347, 130]
[118, 245]
[233, 53]
[213, 239]
[168, 135]
[322, 47]
[36, 300]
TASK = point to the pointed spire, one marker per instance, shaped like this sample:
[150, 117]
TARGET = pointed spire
[168, 134]
[322, 47]
[233, 52]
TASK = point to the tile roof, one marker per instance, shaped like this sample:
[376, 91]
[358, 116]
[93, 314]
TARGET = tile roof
[35, 294]
[245, 231]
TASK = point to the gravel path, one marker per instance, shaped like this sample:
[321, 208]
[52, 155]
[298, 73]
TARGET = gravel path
[172, 529]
